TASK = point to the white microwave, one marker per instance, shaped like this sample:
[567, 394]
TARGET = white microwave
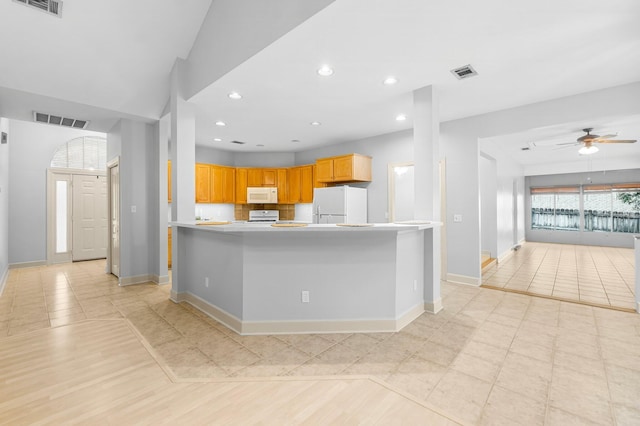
[259, 195]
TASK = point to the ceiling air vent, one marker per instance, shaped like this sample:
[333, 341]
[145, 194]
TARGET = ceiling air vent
[464, 72]
[53, 7]
[238, 142]
[59, 121]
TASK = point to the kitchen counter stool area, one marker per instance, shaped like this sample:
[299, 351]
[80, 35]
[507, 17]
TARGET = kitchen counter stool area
[257, 279]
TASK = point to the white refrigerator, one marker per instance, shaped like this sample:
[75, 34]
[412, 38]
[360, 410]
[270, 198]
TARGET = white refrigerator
[340, 204]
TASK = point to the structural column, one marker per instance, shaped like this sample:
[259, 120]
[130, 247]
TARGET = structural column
[426, 158]
[183, 160]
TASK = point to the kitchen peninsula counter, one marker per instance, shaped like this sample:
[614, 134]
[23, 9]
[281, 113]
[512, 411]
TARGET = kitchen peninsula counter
[259, 279]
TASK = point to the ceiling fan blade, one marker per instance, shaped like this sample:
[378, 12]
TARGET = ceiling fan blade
[587, 138]
[568, 143]
[615, 141]
[607, 136]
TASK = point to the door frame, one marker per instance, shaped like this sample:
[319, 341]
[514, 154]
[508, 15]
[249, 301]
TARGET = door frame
[52, 172]
[115, 162]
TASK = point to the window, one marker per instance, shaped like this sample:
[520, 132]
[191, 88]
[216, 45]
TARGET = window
[555, 208]
[87, 153]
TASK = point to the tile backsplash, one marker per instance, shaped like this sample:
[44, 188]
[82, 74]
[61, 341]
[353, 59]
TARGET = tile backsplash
[287, 211]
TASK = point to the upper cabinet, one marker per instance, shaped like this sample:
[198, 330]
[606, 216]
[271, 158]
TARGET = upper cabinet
[301, 184]
[262, 177]
[282, 179]
[223, 184]
[344, 168]
[241, 185]
[203, 183]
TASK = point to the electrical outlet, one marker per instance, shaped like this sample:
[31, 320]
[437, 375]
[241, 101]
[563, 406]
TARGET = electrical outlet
[206, 282]
[305, 296]
[415, 285]
[133, 209]
[457, 218]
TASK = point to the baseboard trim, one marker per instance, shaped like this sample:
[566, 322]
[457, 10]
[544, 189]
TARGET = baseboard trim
[27, 264]
[463, 279]
[433, 307]
[160, 280]
[504, 256]
[245, 328]
[136, 279]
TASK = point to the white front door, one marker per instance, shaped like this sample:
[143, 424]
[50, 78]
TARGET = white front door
[89, 217]
[114, 205]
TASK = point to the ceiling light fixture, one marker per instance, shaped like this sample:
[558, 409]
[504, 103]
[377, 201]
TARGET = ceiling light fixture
[588, 150]
[260, 144]
[221, 123]
[295, 140]
[217, 140]
[315, 123]
[235, 95]
[390, 81]
[401, 117]
[325, 71]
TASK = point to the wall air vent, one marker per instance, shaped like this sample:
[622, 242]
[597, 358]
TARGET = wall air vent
[464, 72]
[56, 120]
[526, 148]
[3, 138]
[238, 142]
[52, 7]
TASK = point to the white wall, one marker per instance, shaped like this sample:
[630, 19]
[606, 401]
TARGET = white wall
[4, 204]
[138, 178]
[266, 159]
[488, 178]
[32, 147]
[459, 140]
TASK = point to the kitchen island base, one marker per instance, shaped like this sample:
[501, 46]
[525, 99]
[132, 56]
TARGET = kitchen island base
[317, 279]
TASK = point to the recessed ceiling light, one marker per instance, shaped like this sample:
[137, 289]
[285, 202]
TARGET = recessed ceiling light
[401, 117]
[260, 144]
[235, 95]
[295, 140]
[220, 123]
[217, 140]
[315, 123]
[389, 81]
[325, 71]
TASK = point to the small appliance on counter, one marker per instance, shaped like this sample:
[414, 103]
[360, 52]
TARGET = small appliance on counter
[340, 204]
[264, 216]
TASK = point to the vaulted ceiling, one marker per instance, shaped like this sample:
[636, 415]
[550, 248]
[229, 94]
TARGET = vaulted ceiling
[107, 60]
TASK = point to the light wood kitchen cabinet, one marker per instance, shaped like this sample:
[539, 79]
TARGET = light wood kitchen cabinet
[344, 168]
[203, 183]
[262, 177]
[241, 185]
[282, 184]
[169, 180]
[301, 184]
[222, 184]
[169, 249]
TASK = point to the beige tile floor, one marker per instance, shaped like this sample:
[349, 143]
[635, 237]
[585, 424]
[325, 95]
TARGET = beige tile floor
[594, 275]
[490, 357]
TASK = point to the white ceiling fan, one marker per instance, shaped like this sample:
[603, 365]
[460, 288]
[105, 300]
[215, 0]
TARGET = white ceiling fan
[587, 141]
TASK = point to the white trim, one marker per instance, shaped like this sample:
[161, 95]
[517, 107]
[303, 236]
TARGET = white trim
[33, 264]
[463, 279]
[391, 188]
[114, 162]
[433, 307]
[136, 279]
[505, 256]
[245, 328]
[160, 280]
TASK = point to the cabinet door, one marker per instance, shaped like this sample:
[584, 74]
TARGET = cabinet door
[283, 183]
[343, 168]
[269, 177]
[254, 177]
[203, 183]
[241, 186]
[324, 170]
[229, 185]
[294, 185]
[306, 184]
[169, 180]
[217, 184]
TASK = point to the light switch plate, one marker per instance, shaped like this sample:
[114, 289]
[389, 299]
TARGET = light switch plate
[133, 209]
[457, 218]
